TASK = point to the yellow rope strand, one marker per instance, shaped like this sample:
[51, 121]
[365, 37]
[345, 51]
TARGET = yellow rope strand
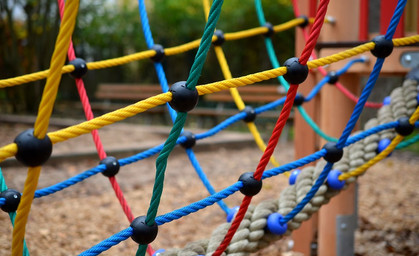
[148, 54]
[235, 93]
[54, 76]
[383, 154]
[109, 118]
[141, 106]
[42, 121]
[121, 60]
[23, 210]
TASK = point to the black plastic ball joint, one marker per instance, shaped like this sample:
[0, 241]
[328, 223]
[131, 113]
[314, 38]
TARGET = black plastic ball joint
[270, 31]
[80, 68]
[220, 37]
[12, 198]
[299, 99]
[183, 99]
[112, 166]
[143, 233]
[190, 139]
[333, 77]
[250, 114]
[32, 151]
[404, 128]
[333, 153]
[251, 186]
[296, 73]
[159, 53]
[305, 23]
[383, 47]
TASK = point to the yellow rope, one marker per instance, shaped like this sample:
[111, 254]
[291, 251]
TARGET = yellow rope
[121, 60]
[149, 53]
[42, 121]
[109, 118]
[235, 93]
[23, 210]
[141, 106]
[383, 154]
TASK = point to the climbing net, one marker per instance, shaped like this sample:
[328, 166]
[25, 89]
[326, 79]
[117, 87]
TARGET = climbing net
[249, 227]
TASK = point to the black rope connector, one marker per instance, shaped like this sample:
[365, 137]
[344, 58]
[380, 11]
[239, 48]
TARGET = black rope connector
[251, 186]
[32, 151]
[333, 77]
[141, 232]
[270, 31]
[383, 47]
[220, 37]
[190, 139]
[80, 68]
[299, 99]
[305, 23]
[296, 73]
[159, 53]
[250, 114]
[112, 166]
[12, 198]
[333, 153]
[183, 98]
[404, 128]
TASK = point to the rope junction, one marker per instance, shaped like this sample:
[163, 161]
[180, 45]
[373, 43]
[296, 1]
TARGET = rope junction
[247, 233]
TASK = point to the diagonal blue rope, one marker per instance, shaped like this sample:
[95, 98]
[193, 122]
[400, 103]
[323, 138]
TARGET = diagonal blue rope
[204, 178]
[354, 117]
[210, 200]
[108, 243]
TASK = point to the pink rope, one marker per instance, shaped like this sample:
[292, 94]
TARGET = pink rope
[96, 138]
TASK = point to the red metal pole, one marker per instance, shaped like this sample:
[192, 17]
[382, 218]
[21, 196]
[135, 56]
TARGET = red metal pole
[387, 9]
[363, 20]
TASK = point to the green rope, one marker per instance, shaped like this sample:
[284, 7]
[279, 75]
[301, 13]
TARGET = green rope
[205, 44]
[194, 74]
[408, 142]
[12, 215]
[275, 64]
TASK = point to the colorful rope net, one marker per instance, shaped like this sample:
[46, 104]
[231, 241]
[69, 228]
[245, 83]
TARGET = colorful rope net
[249, 227]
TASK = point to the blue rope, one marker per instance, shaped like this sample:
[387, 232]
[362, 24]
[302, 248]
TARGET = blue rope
[108, 243]
[210, 200]
[326, 79]
[354, 117]
[395, 19]
[204, 178]
[199, 205]
[71, 181]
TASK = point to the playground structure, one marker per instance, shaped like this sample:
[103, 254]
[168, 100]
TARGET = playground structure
[388, 118]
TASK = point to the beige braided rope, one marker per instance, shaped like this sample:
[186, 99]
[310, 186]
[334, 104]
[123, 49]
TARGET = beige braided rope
[251, 235]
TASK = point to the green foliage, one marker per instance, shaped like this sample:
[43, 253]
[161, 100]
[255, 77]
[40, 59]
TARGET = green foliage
[110, 29]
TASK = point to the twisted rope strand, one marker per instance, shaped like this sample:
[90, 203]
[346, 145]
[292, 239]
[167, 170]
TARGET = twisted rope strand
[42, 121]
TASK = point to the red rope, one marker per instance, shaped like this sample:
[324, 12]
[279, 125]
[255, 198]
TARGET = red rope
[276, 133]
[315, 32]
[339, 86]
[234, 226]
[98, 143]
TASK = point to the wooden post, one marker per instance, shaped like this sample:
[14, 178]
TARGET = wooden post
[335, 111]
[305, 139]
